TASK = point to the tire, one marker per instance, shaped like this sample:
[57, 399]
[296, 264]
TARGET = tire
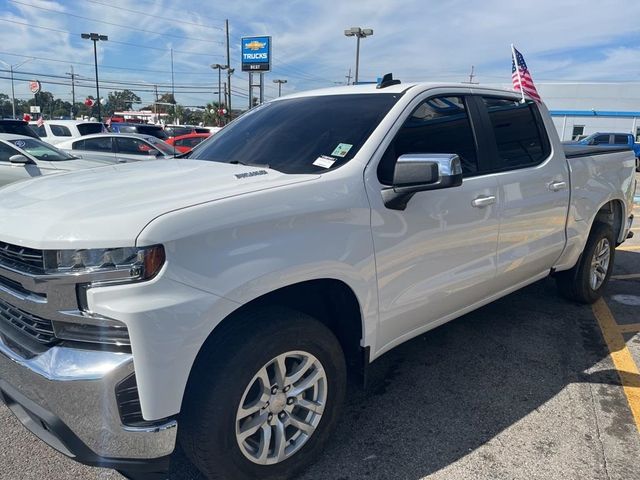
[227, 373]
[577, 284]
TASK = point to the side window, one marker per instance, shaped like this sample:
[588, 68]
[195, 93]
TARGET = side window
[79, 145]
[132, 146]
[40, 130]
[100, 144]
[577, 132]
[520, 136]
[60, 131]
[620, 139]
[438, 125]
[601, 139]
[6, 152]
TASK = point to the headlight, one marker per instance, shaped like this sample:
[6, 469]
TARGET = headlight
[128, 263]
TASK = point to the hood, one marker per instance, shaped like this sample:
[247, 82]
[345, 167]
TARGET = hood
[79, 163]
[109, 206]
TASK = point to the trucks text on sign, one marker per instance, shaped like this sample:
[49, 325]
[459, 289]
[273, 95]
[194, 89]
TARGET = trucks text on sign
[256, 54]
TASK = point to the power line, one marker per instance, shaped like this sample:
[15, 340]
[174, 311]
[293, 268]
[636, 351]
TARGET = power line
[115, 24]
[154, 16]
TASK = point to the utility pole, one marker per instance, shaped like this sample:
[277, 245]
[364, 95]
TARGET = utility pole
[173, 89]
[95, 38]
[279, 82]
[155, 105]
[348, 77]
[73, 93]
[229, 69]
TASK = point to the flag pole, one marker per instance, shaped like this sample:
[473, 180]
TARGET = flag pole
[515, 62]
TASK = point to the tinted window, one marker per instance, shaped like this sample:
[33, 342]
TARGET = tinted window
[520, 136]
[17, 127]
[157, 132]
[438, 125]
[189, 142]
[201, 130]
[300, 135]
[577, 132]
[601, 139]
[89, 128]
[133, 146]
[620, 139]
[177, 131]
[125, 128]
[100, 144]
[60, 131]
[7, 152]
[41, 131]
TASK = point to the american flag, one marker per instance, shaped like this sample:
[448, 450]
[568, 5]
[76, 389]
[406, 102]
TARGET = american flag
[40, 122]
[521, 77]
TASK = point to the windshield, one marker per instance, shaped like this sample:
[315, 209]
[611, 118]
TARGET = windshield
[41, 150]
[299, 135]
[89, 128]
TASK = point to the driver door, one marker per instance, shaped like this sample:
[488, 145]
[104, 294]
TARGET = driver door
[437, 256]
[12, 172]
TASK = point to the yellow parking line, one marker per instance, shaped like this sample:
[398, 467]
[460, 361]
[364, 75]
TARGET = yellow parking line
[629, 248]
[630, 276]
[622, 359]
[629, 328]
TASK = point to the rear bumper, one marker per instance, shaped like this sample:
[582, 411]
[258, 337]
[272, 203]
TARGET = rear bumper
[66, 397]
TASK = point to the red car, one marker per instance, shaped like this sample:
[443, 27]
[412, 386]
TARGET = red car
[184, 143]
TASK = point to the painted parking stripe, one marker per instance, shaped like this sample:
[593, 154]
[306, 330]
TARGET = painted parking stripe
[622, 359]
[631, 276]
[629, 328]
[629, 248]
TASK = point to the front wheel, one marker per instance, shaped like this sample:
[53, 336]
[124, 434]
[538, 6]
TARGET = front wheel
[586, 281]
[264, 397]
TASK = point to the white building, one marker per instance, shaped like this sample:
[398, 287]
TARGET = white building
[579, 109]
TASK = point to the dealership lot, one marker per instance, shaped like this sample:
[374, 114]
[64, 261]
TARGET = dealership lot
[523, 388]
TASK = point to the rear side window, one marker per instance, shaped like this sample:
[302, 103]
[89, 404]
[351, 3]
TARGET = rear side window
[41, 131]
[133, 146]
[60, 131]
[519, 133]
[101, 144]
[438, 125]
[620, 139]
[89, 128]
[157, 132]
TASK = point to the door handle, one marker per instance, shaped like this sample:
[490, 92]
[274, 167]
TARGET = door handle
[557, 186]
[480, 202]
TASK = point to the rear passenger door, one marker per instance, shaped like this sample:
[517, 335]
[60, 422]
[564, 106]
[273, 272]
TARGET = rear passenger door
[130, 149]
[533, 188]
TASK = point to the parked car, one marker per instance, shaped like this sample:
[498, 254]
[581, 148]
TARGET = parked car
[119, 147]
[17, 127]
[141, 128]
[23, 157]
[604, 139]
[58, 131]
[179, 130]
[185, 143]
[230, 291]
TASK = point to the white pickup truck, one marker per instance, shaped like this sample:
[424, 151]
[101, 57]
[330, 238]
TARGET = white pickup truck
[219, 300]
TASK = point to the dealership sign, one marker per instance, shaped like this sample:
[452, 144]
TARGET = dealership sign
[256, 54]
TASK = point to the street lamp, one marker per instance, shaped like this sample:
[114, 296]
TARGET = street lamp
[217, 66]
[13, 95]
[95, 37]
[279, 82]
[358, 33]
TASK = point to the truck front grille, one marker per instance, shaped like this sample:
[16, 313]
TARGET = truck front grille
[21, 258]
[37, 328]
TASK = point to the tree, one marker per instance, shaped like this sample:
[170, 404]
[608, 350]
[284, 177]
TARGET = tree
[120, 100]
[5, 105]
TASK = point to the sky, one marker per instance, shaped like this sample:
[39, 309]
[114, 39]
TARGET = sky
[417, 40]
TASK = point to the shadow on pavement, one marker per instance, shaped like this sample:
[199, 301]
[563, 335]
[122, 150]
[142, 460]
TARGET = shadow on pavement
[446, 393]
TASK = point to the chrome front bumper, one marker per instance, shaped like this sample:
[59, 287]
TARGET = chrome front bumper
[66, 396]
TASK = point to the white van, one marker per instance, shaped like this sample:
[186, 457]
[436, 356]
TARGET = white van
[56, 131]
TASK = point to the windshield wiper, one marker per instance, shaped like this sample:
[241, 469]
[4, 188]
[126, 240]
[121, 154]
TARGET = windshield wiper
[259, 165]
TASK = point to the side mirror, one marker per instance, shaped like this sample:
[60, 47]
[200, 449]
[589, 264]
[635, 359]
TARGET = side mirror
[19, 159]
[420, 172]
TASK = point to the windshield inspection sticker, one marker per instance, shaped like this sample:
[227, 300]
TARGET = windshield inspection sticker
[342, 149]
[324, 161]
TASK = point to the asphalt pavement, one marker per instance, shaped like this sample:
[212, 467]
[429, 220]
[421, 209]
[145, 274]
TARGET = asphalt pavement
[528, 387]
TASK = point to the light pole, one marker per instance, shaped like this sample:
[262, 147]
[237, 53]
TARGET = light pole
[217, 66]
[95, 37]
[358, 33]
[13, 95]
[279, 82]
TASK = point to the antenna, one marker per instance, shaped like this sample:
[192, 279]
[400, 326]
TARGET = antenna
[472, 75]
